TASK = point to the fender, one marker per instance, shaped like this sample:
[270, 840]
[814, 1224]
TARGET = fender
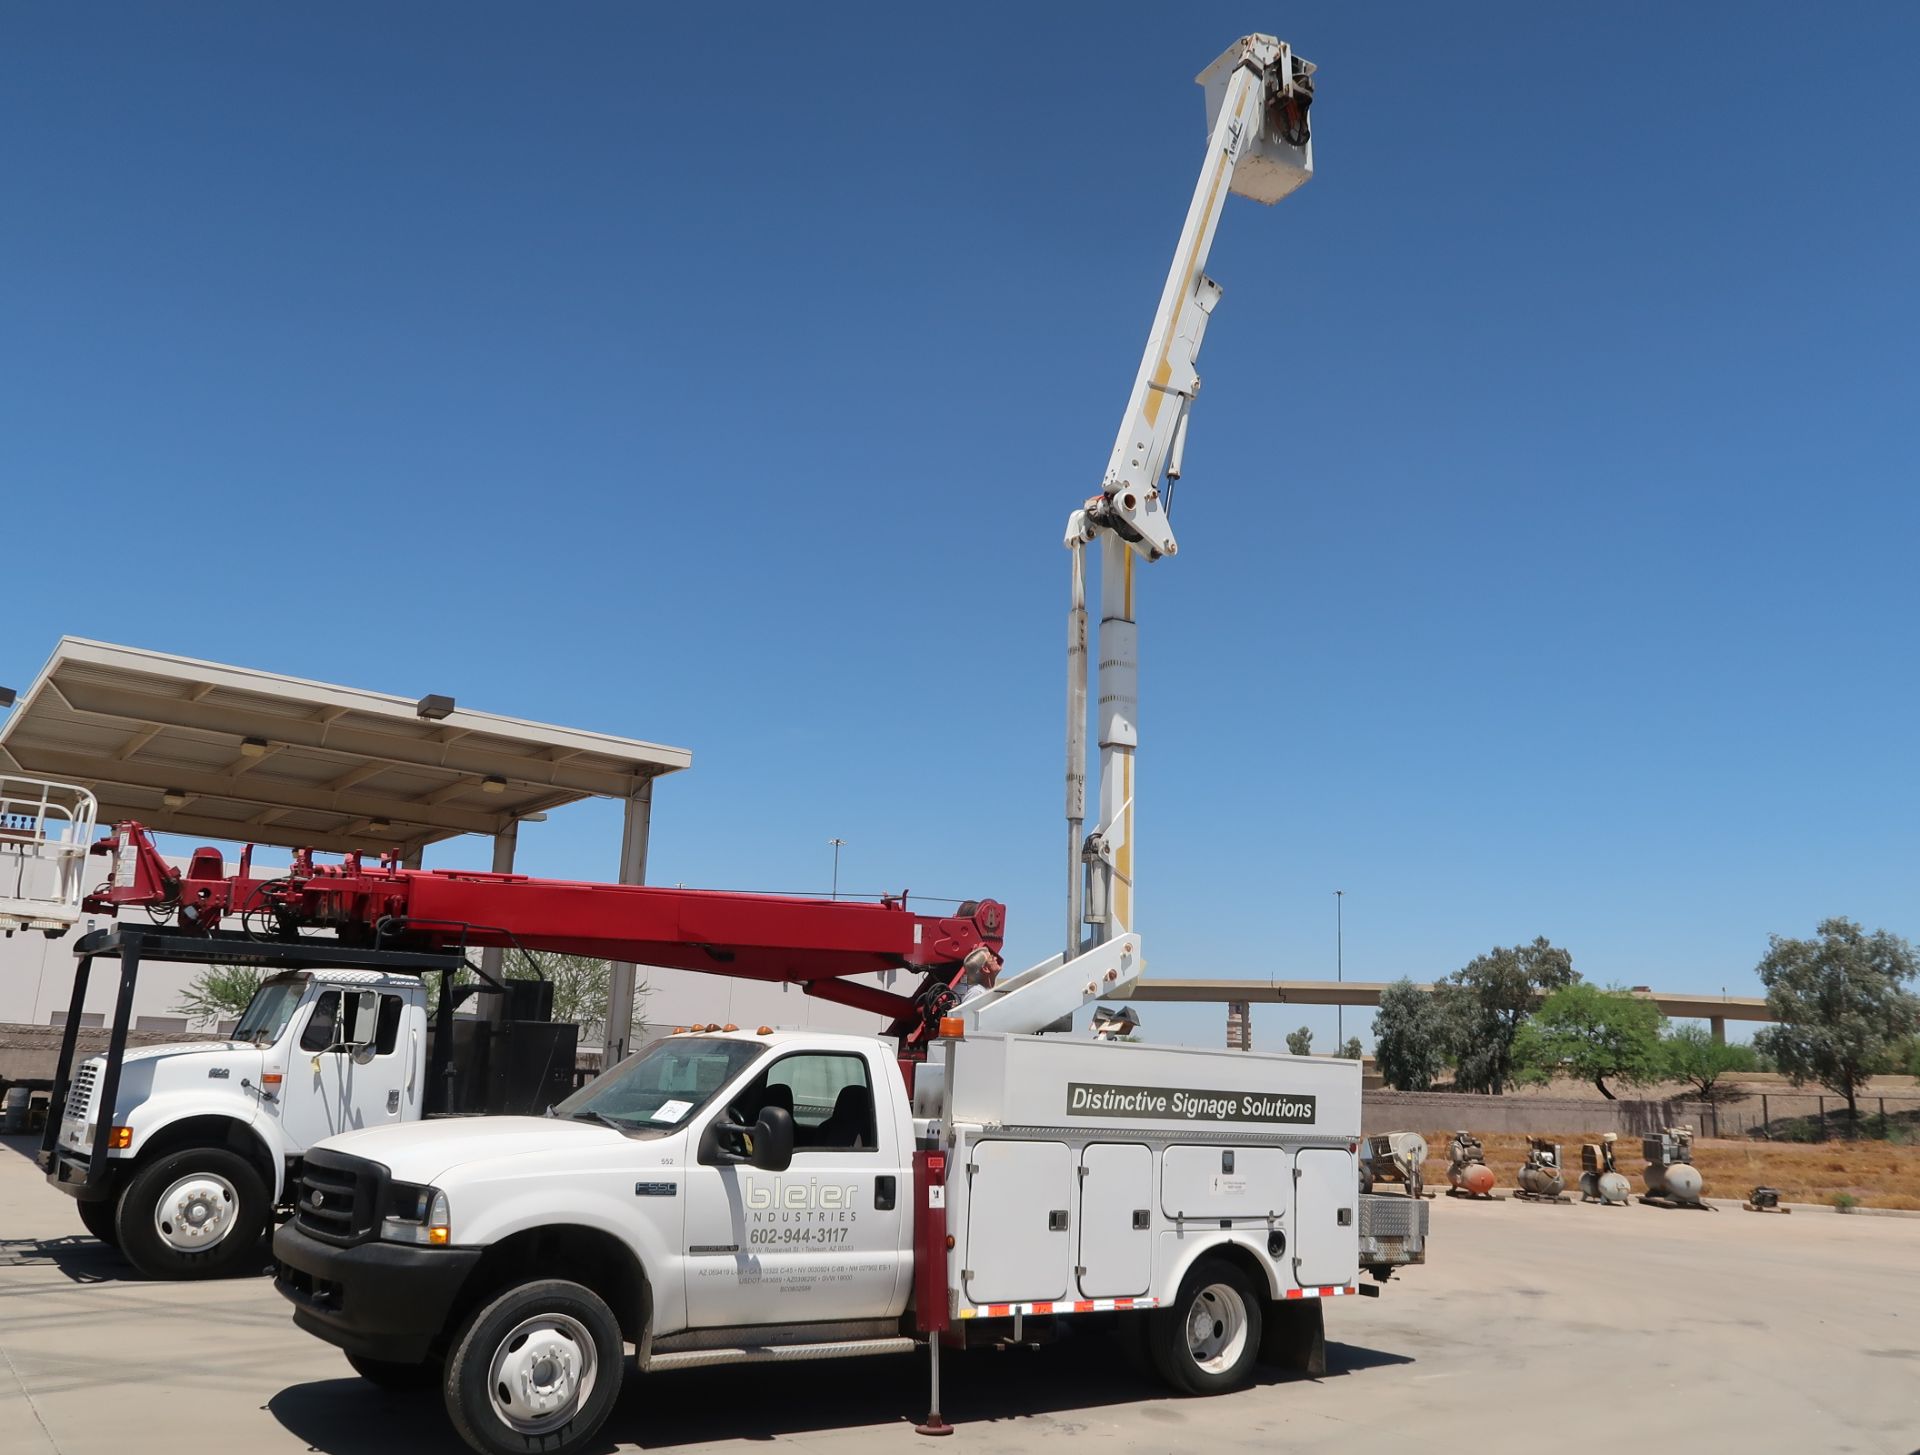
[492, 1209]
[154, 1116]
[1185, 1252]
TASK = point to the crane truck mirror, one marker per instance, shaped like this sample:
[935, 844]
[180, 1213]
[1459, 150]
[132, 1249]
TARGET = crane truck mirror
[362, 1021]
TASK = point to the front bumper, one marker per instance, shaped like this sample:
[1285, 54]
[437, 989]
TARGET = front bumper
[78, 1178]
[378, 1300]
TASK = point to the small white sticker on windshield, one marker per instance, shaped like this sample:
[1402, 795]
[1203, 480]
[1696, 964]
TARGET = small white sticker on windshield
[672, 1111]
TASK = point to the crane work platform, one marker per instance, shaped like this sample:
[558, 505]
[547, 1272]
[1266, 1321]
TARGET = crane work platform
[46, 830]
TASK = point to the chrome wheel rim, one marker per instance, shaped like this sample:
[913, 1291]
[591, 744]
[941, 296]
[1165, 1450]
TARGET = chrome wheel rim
[1217, 1327]
[196, 1212]
[541, 1373]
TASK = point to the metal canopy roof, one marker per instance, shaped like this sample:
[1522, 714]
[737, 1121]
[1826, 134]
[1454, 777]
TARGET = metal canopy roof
[212, 751]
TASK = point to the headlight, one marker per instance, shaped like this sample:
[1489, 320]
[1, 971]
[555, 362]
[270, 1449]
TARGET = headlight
[416, 1215]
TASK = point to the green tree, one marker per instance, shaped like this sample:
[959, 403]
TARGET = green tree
[218, 992]
[1350, 1049]
[1485, 1001]
[1593, 1035]
[1300, 1042]
[1409, 1037]
[1692, 1055]
[1841, 1003]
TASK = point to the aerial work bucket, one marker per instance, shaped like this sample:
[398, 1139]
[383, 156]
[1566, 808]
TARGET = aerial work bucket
[45, 832]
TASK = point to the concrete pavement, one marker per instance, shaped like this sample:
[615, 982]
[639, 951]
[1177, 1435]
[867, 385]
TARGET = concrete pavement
[1699, 1331]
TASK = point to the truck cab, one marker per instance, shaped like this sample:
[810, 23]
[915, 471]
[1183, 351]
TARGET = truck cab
[205, 1138]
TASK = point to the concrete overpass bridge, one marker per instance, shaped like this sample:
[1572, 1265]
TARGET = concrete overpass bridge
[1715, 1010]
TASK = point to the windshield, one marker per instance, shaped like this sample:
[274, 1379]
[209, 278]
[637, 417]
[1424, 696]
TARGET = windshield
[268, 1012]
[662, 1085]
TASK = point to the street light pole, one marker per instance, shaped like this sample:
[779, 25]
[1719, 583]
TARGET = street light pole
[1339, 966]
[838, 844]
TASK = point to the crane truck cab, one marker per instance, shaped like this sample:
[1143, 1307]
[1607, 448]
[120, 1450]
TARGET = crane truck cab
[182, 1156]
[733, 1197]
[205, 1138]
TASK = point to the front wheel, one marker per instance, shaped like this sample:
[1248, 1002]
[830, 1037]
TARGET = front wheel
[537, 1369]
[195, 1213]
[1206, 1342]
[97, 1218]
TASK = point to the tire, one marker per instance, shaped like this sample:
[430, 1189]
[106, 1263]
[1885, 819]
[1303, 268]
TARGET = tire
[98, 1219]
[504, 1351]
[1208, 1340]
[389, 1375]
[196, 1213]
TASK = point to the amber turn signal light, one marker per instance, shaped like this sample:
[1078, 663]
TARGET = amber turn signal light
[120, 1138]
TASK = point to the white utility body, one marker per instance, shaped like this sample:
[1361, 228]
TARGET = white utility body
[1092, 1170]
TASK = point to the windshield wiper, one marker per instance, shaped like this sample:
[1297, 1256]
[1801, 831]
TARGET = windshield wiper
[600, 1117]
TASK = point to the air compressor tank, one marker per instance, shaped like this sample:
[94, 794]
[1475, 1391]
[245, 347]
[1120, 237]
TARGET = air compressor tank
[1600, 1180]
[1672, 1179]
[1467, 1172]
[1540, 1177]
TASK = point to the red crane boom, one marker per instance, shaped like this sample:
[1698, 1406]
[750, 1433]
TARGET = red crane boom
[817, 944]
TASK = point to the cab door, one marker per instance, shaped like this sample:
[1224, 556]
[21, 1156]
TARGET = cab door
[328, 1086]
[827, 1238]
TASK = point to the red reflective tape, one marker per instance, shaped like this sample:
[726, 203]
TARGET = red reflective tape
[1083, 1306]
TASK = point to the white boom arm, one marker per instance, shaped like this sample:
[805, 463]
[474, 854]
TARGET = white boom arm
[1259, 146]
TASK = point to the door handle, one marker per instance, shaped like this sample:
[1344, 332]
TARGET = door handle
[885, 1190]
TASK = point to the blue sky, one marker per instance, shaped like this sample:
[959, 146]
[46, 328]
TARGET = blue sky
[1548, 527]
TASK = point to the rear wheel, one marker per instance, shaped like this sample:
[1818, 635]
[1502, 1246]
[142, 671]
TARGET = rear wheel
[537, 1369]
[195, 1213]
[98, 1219]
[1206, 1342]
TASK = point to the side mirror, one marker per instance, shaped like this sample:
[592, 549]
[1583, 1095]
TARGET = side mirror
[362, 1021]
[770, 1137]
[773, 1139]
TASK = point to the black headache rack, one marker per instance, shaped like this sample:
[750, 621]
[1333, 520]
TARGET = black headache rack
[524, 1063]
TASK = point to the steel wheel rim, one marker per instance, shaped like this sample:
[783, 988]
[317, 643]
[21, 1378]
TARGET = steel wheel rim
[1217, 1327]
[196, 1212]
[541, 1373]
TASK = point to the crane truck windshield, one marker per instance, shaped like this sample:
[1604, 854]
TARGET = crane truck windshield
[268, 1012]
[662, 1085]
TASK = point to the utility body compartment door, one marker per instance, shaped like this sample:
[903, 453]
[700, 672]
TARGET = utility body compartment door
[1212, 1182]
[1326, 1233]
[1019, 1234]
[1116, 1220]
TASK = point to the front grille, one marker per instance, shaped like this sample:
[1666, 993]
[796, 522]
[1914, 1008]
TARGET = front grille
[80, 1094]
[340, 1197]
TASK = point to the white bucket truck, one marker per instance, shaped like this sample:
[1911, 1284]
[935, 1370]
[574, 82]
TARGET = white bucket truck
[747, 1196]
